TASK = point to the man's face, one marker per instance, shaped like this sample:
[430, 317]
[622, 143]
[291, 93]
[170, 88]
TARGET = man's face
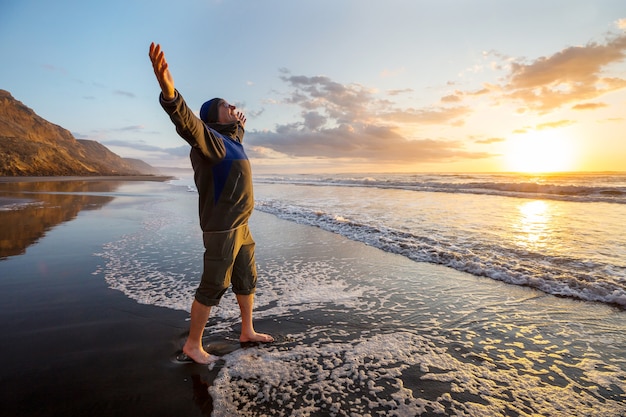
[226, 113]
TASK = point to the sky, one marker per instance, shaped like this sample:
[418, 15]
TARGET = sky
[333, 86]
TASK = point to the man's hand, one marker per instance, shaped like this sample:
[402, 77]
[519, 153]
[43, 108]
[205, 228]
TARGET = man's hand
[241, 118]
[162, 72]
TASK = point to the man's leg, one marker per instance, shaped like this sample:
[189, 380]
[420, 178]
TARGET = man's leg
[193, 346]
[246, 305]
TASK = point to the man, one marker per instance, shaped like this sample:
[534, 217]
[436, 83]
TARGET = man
[224, 180]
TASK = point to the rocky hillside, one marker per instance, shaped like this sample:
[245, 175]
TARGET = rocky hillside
[32, 146]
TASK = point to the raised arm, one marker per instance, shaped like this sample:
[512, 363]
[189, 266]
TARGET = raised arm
[162, 72]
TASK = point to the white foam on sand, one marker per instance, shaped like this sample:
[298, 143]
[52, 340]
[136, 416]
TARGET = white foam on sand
[364, 377]
[155, 264]
[368, 341]
[160, 264]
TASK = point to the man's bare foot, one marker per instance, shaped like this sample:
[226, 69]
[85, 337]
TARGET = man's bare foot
[199, 355]
[256, 337]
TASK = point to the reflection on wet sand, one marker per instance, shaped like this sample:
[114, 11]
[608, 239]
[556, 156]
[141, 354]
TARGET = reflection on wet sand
[29, 209]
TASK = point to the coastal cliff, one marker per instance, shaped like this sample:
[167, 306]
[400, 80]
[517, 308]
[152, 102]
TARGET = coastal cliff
[32, 146]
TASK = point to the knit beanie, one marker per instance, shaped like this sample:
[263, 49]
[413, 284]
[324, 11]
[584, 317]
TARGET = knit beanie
[209, 112]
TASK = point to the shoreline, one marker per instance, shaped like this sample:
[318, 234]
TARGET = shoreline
[159, 178]
[12, 201]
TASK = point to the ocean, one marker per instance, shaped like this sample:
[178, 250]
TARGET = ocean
[564, 234]
[395, 295]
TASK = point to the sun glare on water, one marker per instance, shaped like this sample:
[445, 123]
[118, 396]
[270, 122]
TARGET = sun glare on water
[539, 152]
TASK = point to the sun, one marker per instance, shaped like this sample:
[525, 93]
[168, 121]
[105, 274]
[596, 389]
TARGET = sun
[539, 152]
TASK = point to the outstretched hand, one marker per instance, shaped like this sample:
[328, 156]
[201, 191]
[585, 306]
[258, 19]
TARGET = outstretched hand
[162, 72]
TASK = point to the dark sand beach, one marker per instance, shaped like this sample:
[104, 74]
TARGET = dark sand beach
[74, 347]
[93, 317]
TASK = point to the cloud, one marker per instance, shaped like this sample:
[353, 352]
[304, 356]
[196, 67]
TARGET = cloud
[254, 114]
[142, 146]
[102, 134]
[351, 122]
[612, 120]
[481, 92]
[554, 125]
[451, 98]
[399, 91]
[544, 126]
[264, 153]
[124, 93]
[354, 103]
[428, 115]
[489, 141]
[313, 120]
[53, 68]
[342, 103]
[374, 144]
[134, 128]
[574, 74]
[588, 106]
[621, 23]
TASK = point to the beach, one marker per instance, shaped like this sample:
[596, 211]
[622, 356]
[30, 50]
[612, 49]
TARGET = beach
[74, 347]
[95, 306]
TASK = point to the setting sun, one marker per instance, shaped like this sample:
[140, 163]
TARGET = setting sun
[539, 152]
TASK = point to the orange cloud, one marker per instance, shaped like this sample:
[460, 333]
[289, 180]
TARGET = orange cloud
[452, 98]
[553, 125]
[588, 106]
[489, 141]
[571, 75]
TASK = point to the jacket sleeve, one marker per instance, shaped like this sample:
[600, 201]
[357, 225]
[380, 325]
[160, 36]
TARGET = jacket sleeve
[193, 130]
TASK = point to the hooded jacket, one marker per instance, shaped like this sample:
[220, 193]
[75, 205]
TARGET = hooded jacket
[222, 170]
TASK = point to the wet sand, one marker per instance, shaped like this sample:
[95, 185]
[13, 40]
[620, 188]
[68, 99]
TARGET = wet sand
[7, 201]
[94, 178]
[73, 347]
